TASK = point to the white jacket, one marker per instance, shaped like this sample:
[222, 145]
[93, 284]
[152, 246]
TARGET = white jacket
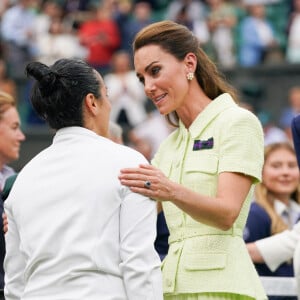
[281, 247]
[74, 231]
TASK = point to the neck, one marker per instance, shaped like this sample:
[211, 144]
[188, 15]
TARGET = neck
[189, 112]
[282, 198]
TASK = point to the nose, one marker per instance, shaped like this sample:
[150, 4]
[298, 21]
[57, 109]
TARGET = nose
[21, 135]
[149, 87]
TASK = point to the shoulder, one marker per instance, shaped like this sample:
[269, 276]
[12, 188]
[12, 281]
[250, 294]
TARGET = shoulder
[128, 156]
[236, 114]
[239, 122]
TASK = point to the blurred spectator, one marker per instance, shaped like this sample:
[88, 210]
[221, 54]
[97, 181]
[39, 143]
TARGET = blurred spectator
[7, 84]
[58, 43]
[272, 133]
[101, 37]
[121, 14]
[196, 9]
[153, 130]
[276, 206]
[291, 111]
[133, 22]
[73, 6]
[125, 92]
[140, 144]
[198, 27]
[115, 133]
[11, 138]
[257, 37]
[4, 5]
[221, 20]
[16, 31]
[293, 45]
[49, 10]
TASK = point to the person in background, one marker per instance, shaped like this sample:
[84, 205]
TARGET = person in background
[101, 36]
[11, 137]
[284, 246]
[7, 84]
[221, 20]
[272, 132]
[293, 38]
[291, 111]
[276, 206]
[82, 231]
[195, 9]
[58, 43]
[257, 36]
[116, 133]
[126, 93]
[16, 29]
[204, 171]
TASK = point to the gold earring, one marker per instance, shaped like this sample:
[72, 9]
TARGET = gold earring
[190, 76]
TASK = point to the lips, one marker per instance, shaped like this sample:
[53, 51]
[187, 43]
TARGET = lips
[159, 98]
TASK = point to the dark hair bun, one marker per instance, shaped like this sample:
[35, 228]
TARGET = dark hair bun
[45, 77]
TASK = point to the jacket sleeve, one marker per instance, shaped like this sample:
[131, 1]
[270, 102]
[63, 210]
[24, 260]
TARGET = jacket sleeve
[140, 263]
[14, 262]
[280, 247]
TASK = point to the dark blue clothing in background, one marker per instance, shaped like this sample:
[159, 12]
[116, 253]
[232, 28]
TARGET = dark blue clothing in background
[161, 243]
[258, 226]
[295, 126]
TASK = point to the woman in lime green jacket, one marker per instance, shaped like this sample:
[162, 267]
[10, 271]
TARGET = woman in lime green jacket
[203, 174]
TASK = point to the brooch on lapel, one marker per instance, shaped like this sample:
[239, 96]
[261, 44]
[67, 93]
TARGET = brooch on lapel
[200, 145]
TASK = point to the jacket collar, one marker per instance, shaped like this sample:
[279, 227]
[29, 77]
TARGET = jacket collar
[211, 111]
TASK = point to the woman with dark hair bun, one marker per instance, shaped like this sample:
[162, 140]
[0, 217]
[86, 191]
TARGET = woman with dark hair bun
[74, 231]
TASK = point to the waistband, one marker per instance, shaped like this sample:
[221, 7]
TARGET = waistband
[185, 233]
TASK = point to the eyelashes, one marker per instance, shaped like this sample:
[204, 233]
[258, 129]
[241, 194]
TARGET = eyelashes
[153, 72]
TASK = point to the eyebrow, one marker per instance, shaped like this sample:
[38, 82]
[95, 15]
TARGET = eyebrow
[147, 67]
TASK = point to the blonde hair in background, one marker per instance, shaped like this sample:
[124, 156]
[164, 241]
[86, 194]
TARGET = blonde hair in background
[265, 199]
[6, 101]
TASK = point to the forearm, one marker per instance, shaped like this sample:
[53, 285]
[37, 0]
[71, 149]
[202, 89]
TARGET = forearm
[219, 211]
[254, 253]
[278, 248]
[207, 210]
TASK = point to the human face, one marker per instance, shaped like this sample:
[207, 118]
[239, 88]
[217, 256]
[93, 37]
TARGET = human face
[163, 76]
[11, 136]
[281, 173]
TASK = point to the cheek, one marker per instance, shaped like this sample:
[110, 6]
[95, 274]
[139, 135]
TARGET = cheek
[269, 184]
[269, 177]
[296, 176]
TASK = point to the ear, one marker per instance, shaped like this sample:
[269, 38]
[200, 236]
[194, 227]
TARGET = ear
[190, 61]
[91, 104]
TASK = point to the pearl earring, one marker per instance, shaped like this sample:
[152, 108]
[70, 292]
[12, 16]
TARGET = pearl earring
[190, 76]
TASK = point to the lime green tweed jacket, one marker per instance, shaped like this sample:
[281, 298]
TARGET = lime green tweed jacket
[223, 138]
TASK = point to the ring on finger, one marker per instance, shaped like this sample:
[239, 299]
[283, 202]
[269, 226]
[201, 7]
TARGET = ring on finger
[147, 184]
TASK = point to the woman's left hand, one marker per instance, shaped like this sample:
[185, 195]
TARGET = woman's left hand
[148, 181]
